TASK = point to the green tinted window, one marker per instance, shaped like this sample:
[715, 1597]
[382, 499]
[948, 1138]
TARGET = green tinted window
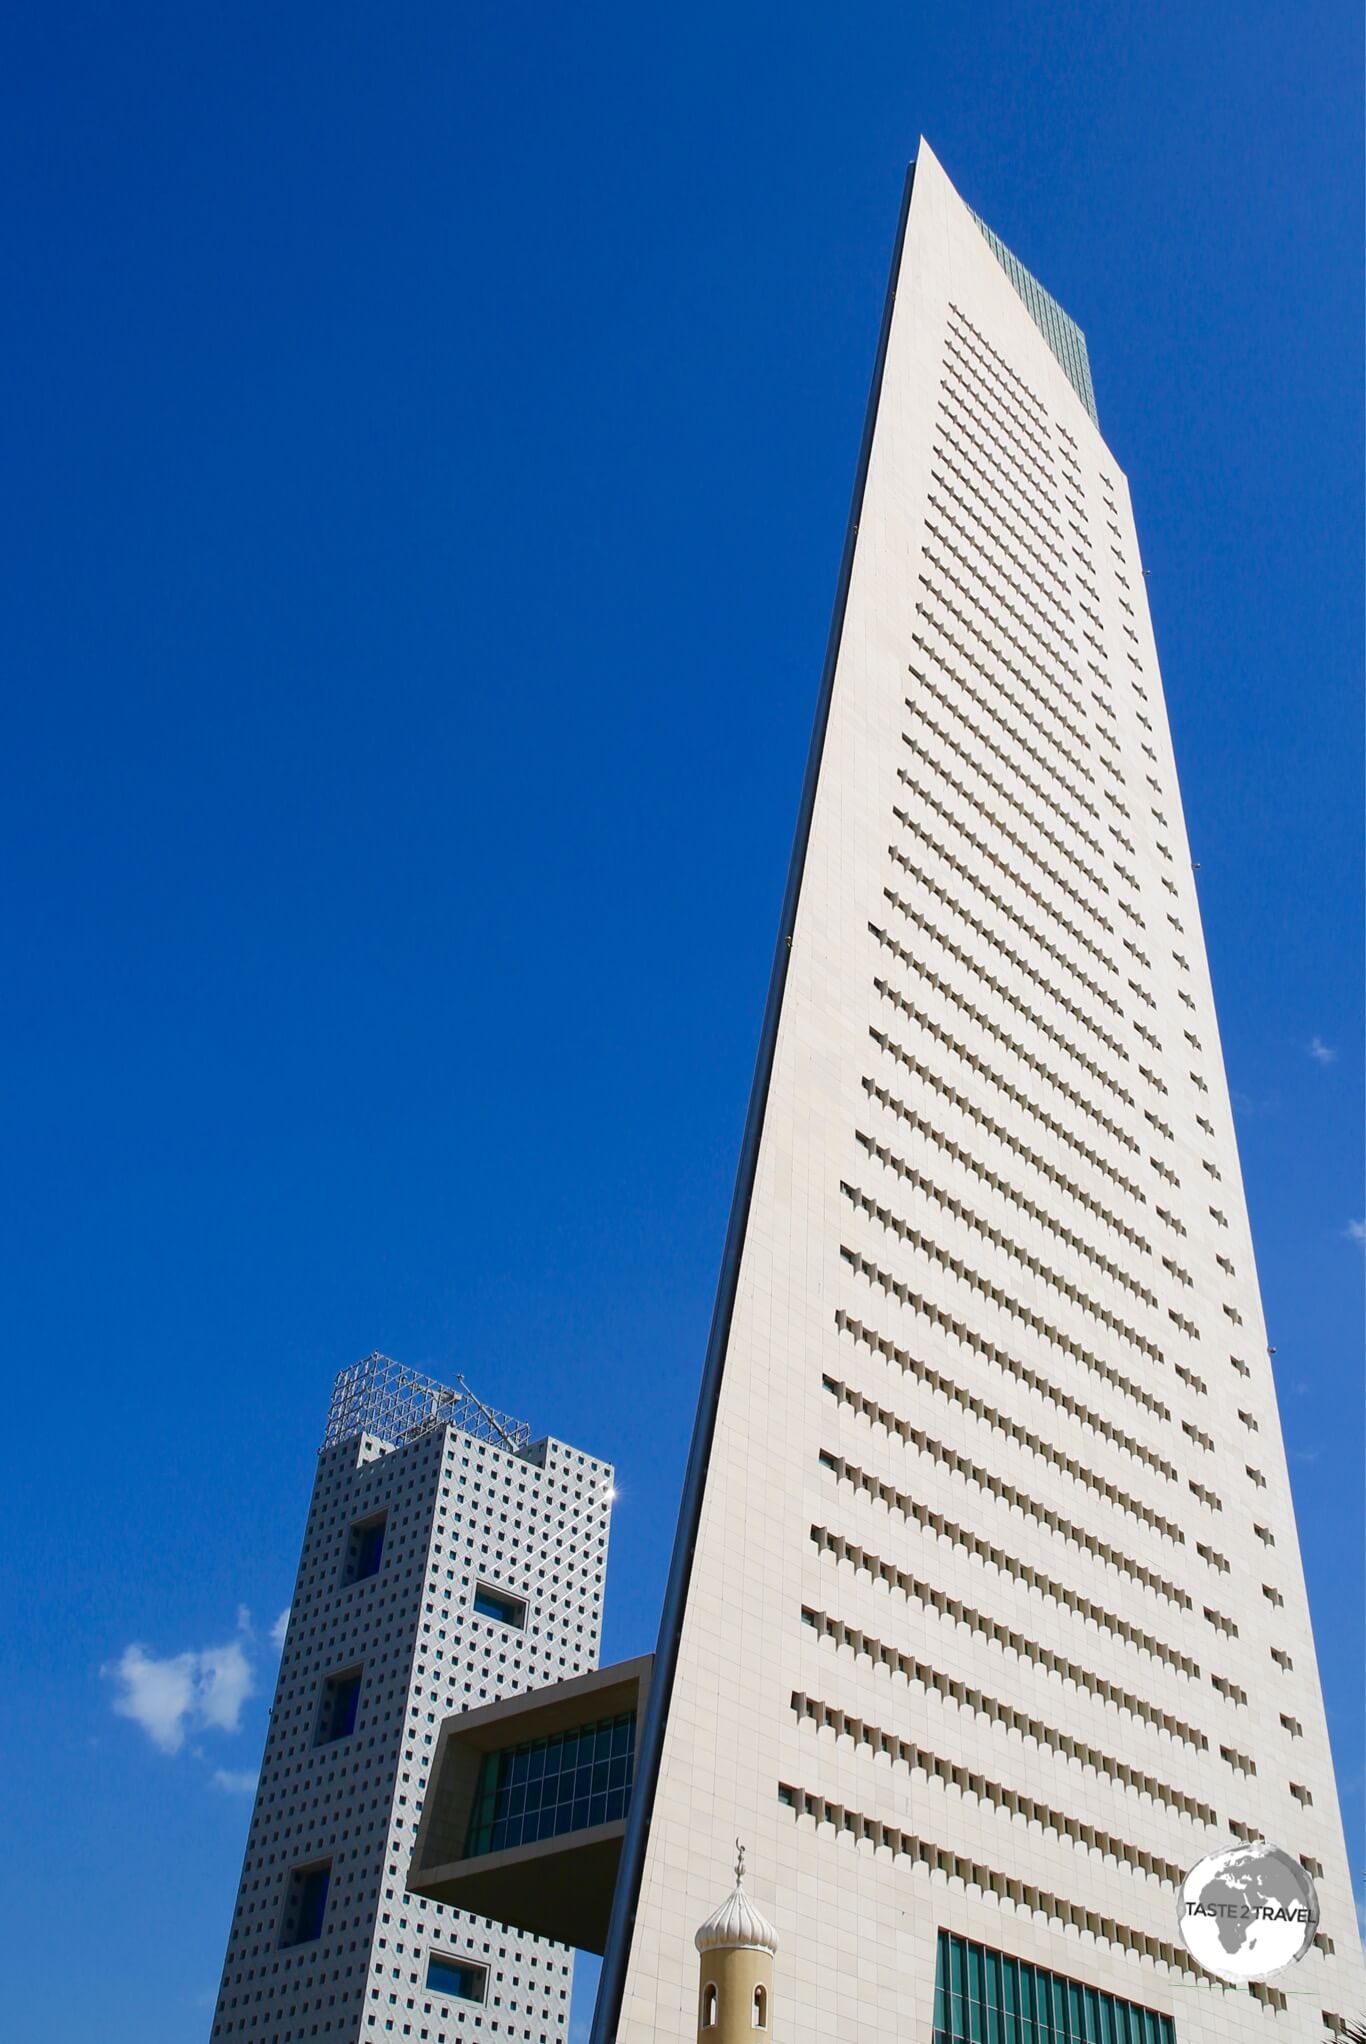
[986, 1997]
[545, 1787]
[1062, 334]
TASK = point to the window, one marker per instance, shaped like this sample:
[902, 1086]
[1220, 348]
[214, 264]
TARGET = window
[986, 1997]
[337, 1707]
[570, 1781]
[499, 1606]
[460, 1978]
[305, 1902]
[759, 2014]
[709, 2006]
[364, 1549]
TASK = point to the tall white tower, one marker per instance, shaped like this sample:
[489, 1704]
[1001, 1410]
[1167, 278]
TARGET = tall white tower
[447, 1561]
[986, 1619]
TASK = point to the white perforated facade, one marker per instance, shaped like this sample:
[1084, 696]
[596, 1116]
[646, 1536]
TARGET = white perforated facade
[987, 1608]
[385, 1639]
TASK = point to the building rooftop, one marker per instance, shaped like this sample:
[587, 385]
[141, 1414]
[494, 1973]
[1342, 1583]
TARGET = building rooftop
[1062, 333]
[392, 1403]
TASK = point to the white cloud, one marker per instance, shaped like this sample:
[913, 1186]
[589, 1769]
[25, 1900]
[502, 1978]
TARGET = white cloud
[1321, 1052]
[1355, 1231]
[168, 1696]
[280, 1627]
[236, 1781]
[224, 1682]
[158, 1695]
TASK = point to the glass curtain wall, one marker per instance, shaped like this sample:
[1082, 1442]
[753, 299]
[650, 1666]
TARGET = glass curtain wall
[985, 1997]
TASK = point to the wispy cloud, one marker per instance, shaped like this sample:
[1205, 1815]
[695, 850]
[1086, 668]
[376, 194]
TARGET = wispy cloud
[223, 1682]
[1246, 1105]
[280, 1627]
[172, 1694]
[236, 1781]
[1321, 1052]
[1355, 1231]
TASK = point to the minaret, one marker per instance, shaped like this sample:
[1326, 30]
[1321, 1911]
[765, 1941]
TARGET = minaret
[736, 1946]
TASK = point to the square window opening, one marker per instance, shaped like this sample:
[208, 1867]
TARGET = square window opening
[460, 1978]
[500, 1606]
[364, 1549]
[337, 1706]
[305, 1904]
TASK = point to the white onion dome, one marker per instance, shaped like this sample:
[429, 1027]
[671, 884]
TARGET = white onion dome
[737, 1925]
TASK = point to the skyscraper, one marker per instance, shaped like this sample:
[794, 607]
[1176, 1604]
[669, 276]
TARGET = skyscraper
[986, 1619]
[447, 1560]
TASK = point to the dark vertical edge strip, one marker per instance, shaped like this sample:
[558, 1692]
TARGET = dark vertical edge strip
[625, 1900]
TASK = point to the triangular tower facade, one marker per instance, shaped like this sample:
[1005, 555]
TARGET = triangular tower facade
[986, 1619]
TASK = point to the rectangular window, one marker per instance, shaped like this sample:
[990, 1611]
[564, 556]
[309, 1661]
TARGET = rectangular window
[571, 1781]
[457, 1977]
[305, 1904]
[337, 1707]
[983, 1996]
[498, 1605]
[364, 1548]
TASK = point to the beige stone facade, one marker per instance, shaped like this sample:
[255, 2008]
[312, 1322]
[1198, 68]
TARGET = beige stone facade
[996, 1618]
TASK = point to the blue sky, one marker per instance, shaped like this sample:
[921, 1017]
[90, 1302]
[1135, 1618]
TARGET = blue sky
[429, 435]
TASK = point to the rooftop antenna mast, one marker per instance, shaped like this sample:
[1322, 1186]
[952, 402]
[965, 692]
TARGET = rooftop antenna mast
[491, 1417]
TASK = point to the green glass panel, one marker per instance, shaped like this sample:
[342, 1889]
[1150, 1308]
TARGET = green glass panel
[1062, 334]
[547, 1786]
[1029, 2033]
[983, 1996]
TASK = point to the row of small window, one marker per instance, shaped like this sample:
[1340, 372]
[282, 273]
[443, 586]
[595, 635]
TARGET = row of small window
[1077, 829]
[975, 369]
[1009, 380]
[962, 412]
[990, 602]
